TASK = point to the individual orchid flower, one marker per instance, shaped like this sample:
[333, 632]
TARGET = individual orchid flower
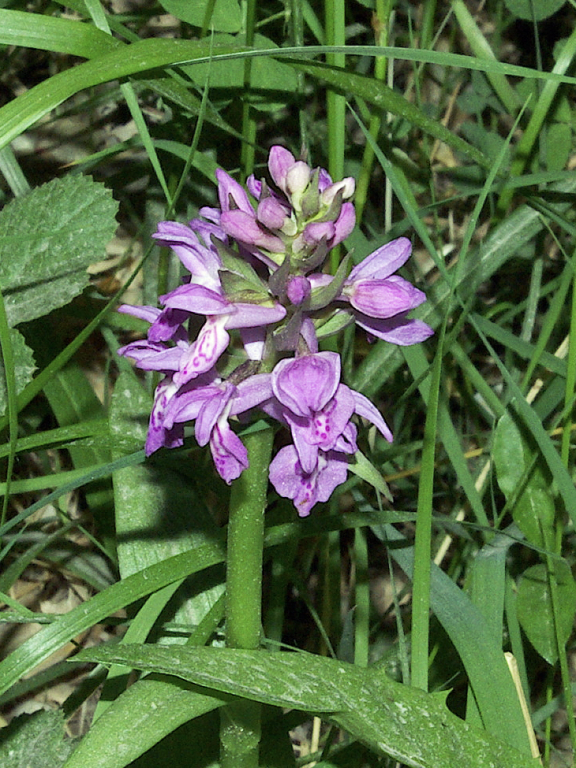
[210, 406]
[318, 408]
[373, 289]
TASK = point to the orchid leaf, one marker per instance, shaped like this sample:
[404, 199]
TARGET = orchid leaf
[389, 717]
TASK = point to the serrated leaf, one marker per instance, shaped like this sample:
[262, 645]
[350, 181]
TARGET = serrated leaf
[523, 481]
[534, 607]
[405, 723]
[224, 16]
[24, 367]
[35, 740]
[533, 10]
[48, 238]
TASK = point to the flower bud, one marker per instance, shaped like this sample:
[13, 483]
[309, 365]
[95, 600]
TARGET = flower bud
[298, 289]
[271, 213]
[347, 186]
[297, 178]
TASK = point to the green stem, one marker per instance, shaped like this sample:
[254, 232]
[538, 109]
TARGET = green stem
[240, 720]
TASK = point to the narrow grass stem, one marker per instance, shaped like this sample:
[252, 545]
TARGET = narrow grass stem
[381, 24]
[335, 103]
[423, 539]
[240, 721]
[248, 120]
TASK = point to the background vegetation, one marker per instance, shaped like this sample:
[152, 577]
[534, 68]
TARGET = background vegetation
[457, 120]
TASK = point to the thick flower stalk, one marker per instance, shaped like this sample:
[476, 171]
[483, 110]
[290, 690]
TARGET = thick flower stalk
[253, 277]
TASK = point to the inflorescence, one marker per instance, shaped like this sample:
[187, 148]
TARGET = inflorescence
[254, 265]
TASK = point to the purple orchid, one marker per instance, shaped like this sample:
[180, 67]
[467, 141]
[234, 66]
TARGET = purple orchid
[310, 399]
[250, 274]
[382, 299]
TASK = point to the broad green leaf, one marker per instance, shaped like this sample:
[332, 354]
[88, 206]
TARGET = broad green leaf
[137, 720]
[534, 607]
[145, 55]
[266, 75]
[155, 508]
[394, 720]
[221, 15]
[24, 366]
[523, 482]
[533, 10]
[35, 740]
[48, 238]
[48, 33]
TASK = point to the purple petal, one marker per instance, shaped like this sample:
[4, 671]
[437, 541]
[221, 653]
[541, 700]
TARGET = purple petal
[251, 392]
[298, 289]
[308, 333]
[168, 325]
[363, 407]
[344, 224]
[204, 353]
[314, 232]
[305, 384]
[346, 443]
[324, 179]
[197, 299]
[383, 261]
[252, 315]
[396, 330]
[253, 340]
[271, 213]
[158, 435]
[211, 410]
[229, 453]
[384, 298]
[330, 422]
[279, 161]
[290, 481]
[190, 398]
[254, 186]
[228, 187]
[307, 450]
[152, 356]
[144, 313]
[243, 227]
